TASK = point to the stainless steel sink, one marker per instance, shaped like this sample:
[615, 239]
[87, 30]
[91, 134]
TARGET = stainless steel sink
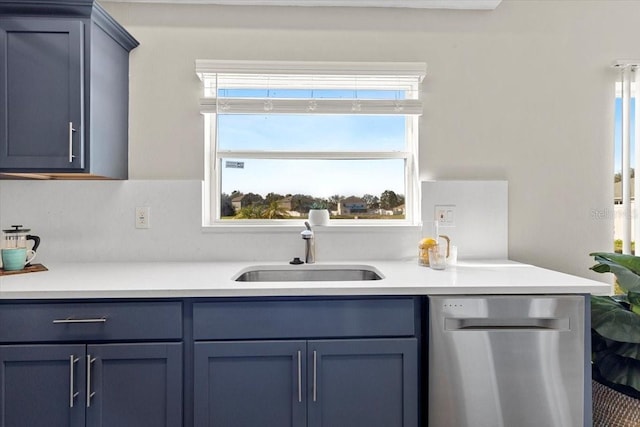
[306, 273]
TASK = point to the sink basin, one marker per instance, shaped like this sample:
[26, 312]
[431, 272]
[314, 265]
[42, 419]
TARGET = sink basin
[307, 273]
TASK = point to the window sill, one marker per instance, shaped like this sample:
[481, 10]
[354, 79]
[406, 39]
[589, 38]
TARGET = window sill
[379, 227]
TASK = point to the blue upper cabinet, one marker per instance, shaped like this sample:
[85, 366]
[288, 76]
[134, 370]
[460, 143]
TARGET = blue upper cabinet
[64, 90]
[41, 73]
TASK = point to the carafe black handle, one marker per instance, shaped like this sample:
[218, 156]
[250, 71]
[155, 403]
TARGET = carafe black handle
[36, 241]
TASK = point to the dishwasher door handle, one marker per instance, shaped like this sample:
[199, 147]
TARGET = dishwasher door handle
[505, 324]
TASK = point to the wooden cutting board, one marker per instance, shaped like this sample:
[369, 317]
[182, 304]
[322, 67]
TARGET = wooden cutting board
[31, 269]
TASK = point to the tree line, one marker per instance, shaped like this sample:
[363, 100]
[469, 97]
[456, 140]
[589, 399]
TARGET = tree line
[256, 206]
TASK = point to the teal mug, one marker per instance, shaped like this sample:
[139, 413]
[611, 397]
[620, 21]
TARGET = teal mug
[16, 258]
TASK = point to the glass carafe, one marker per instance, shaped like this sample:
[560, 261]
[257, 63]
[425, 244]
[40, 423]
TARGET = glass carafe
[16, 237]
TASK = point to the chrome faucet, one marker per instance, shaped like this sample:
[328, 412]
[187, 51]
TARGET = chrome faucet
[309, 244]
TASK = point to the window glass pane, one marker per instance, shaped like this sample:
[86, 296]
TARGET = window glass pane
[282, 132]
[366, 188]
[618, 136]
[619, 215]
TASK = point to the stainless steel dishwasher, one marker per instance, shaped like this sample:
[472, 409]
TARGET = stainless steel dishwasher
[508, 361]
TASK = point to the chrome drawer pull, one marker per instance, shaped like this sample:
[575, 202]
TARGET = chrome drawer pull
[299, 376]
[69, 320]
[72, 394]
[315, 376]
[90, 394]
[71, 131]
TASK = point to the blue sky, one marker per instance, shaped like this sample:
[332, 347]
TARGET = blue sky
[313, 133]
[618, 134]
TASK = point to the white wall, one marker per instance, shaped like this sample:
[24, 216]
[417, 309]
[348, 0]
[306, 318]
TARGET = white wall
[94, 221]
[522, 93]
[479, 218]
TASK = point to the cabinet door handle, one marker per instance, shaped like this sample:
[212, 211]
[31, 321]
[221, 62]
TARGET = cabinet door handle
[68, 320]
[299, 376]
[90, 394]
[315, 376]
[71, 131]
[72, 393]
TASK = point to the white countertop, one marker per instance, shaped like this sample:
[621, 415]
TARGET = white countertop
[215, 279]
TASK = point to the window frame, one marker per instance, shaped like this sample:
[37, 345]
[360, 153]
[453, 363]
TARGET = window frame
[626, 88]
[212, 186]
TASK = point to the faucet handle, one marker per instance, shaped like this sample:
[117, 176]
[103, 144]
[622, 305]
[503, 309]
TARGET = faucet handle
[308, 233]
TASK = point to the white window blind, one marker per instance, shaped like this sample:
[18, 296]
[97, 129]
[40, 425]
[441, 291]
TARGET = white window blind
[319, 87]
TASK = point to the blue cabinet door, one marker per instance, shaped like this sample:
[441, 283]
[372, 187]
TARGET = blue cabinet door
[41, 94]
[134, 385]
[369, 382]
[42, 385]
[250, 384]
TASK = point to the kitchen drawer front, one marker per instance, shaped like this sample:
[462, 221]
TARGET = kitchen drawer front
[265, 319]
[100, 321]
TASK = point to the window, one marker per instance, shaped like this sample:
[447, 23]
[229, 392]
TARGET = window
[626, 227]
[285, 137]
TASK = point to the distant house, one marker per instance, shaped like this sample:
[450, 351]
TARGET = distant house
[285, 203]
[617, 191]
[618, 209]
[399, 210]
[236, 202]
[381, 211]
[243, 200]
[352, 205]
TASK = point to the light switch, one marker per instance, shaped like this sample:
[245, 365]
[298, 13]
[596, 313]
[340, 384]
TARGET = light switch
[445, 215]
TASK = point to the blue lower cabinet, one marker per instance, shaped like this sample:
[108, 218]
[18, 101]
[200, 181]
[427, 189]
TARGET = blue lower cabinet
[76, 385]
[242, 363]
[42, 385]
[336, 383]
[250, 384]
[368, 382]
[134, 385]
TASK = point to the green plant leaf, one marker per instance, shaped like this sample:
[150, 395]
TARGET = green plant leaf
[628, 350]
[598, 342]
[634, 302]
[613, 321]
[631, 262]
[601, 347]
[620, 370]
[628, 279]
[633, 298]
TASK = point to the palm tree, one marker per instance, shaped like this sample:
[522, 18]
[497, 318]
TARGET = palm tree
[335, 200]
[274, 211]
[252, 211]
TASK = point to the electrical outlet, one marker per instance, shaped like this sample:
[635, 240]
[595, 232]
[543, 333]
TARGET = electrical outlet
[143, 219]
[445, 215]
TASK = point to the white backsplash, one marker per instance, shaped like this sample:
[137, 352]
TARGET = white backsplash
[481, 215]
[94, 221]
